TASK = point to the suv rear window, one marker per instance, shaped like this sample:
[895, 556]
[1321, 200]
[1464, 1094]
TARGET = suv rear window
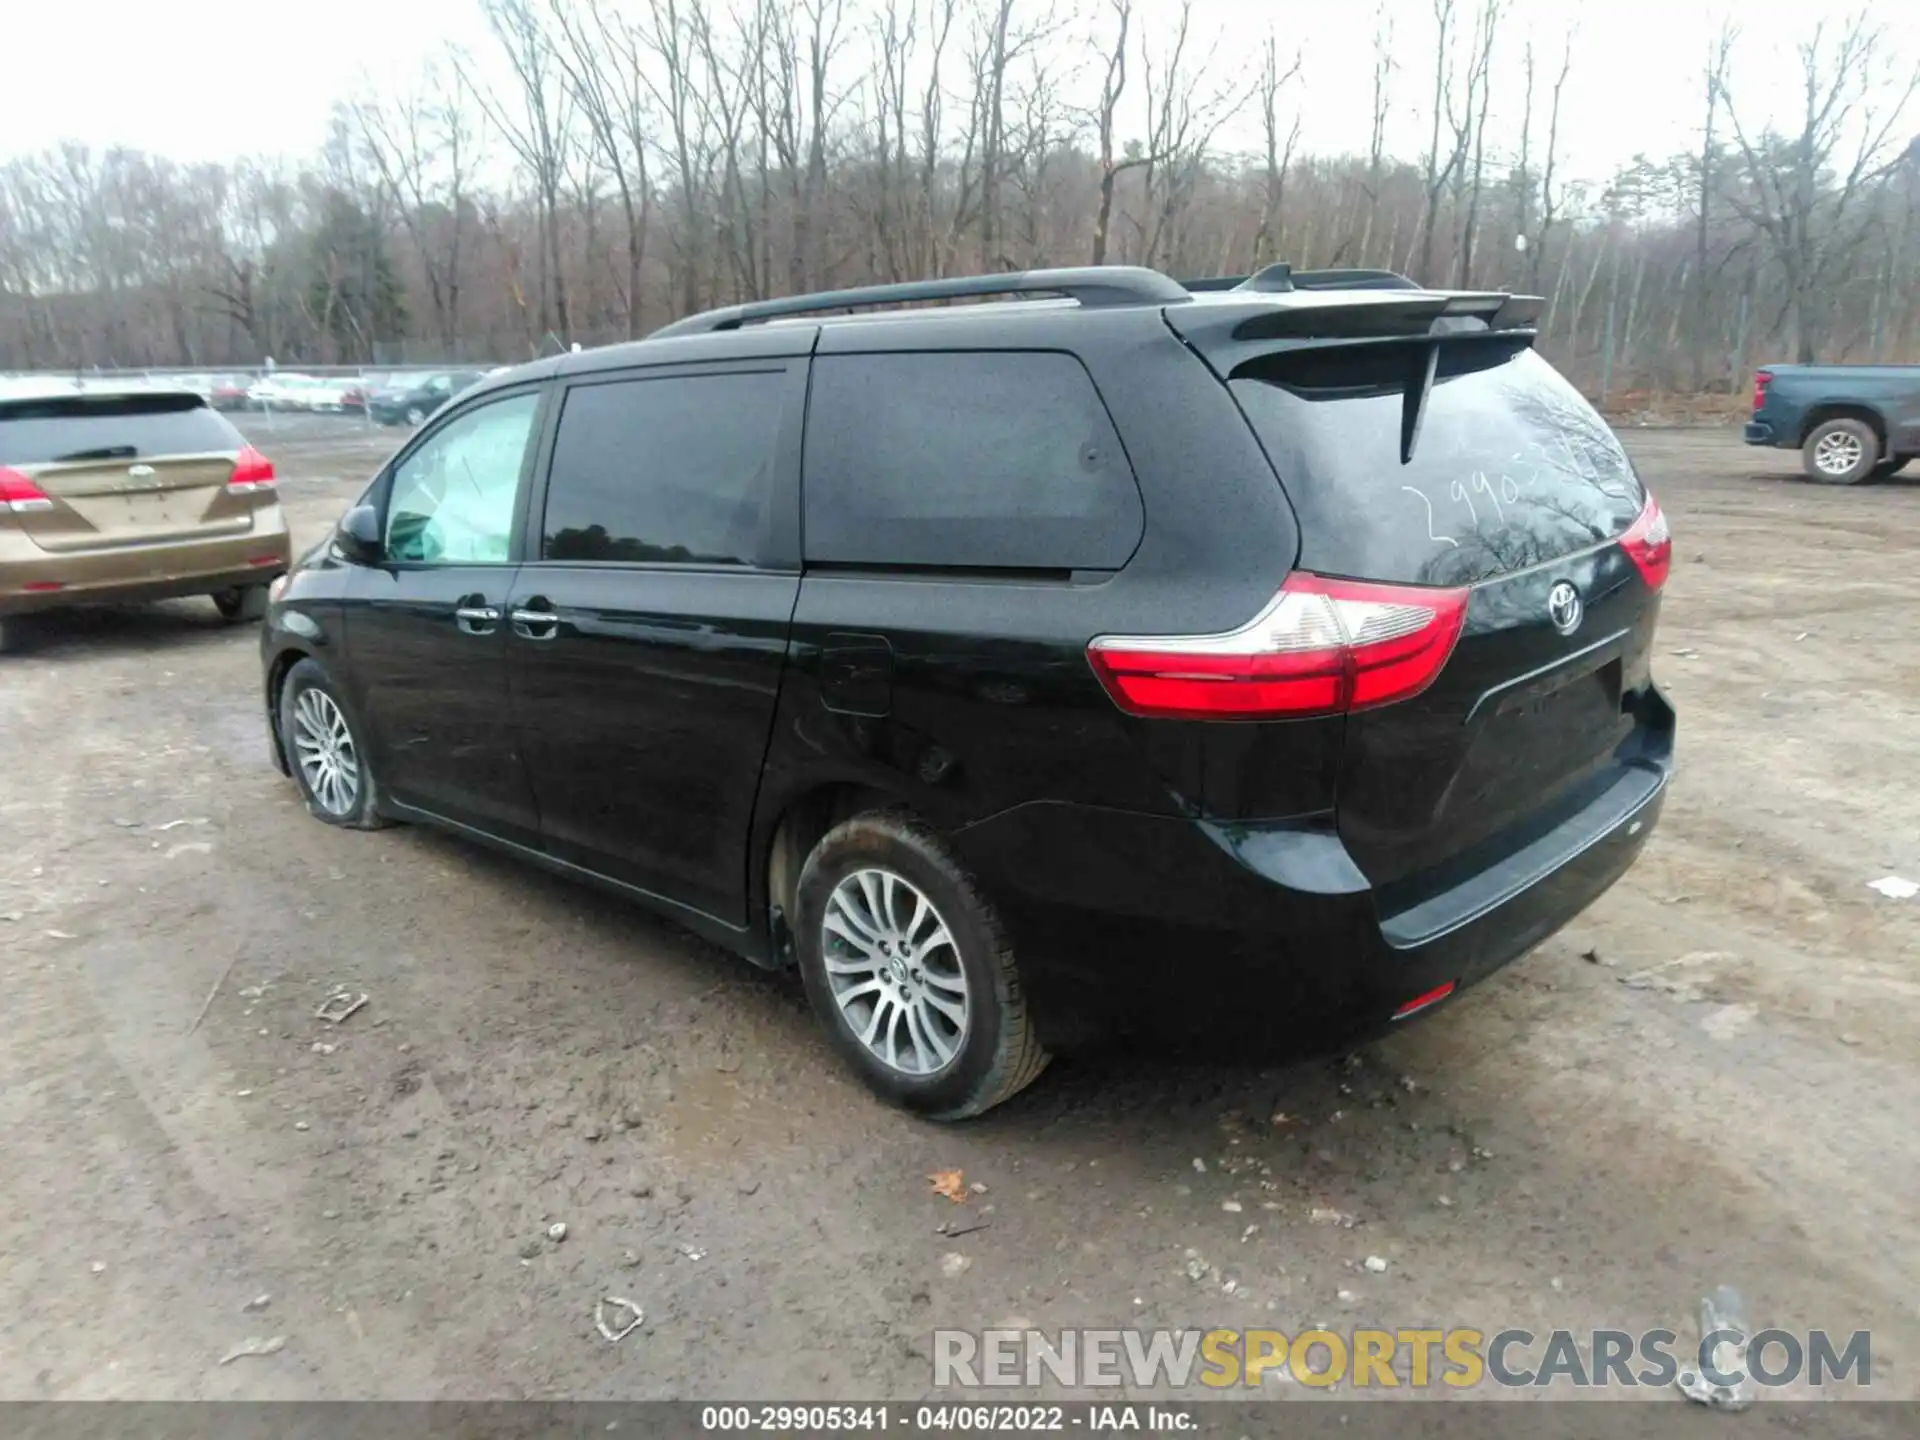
[110, 427]
[1511, 466]
[992, 460]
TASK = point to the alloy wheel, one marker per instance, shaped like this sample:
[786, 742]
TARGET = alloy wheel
[894, 970]
[1838, 453]
[324, 747]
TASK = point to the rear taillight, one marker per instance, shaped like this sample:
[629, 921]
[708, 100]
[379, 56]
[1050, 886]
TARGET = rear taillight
[1649, 544]
[21, 495]
[1322, 647]
[1761, 379]
[252, 474]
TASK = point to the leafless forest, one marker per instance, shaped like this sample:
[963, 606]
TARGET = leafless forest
[613, 163]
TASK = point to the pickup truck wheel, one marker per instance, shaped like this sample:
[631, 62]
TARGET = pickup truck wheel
[1840, 452]
[1888, 468]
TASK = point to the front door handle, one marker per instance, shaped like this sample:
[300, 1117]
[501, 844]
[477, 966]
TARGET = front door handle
[474, 616]
[534, 619]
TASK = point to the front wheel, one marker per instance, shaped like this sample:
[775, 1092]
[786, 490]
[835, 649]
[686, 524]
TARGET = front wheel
[415, 415]
[1840, 452]
[324, 751]
[908, 967]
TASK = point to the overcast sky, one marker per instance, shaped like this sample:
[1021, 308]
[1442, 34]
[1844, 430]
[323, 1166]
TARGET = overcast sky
[209, 79]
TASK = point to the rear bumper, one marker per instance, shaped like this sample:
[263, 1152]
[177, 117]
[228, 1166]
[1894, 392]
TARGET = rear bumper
[1265, 940]
[1760, 432]
[138, 573]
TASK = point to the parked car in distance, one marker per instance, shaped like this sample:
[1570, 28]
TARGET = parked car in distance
[334, 395]
[1255, 666]
[132, 495]
[408, 400]
[282, 390]
[1850, 423]
[229, 392]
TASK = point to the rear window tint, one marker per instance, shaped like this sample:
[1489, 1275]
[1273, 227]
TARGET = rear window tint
[109, 427]
[987, 460]
[1511, 468]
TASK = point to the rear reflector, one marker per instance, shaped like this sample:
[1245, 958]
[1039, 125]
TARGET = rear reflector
[1321, 647]
[260, 561]
[42, 587]
[1421, 1002]
[1761, 380]
[1649, 544]
[252, 474]
[21, 495]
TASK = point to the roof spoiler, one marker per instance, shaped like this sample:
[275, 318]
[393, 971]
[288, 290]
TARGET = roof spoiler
[1280, 278]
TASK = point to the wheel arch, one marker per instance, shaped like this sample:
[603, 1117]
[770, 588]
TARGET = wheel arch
[1819, 415]
[283, 661]
[802, 818]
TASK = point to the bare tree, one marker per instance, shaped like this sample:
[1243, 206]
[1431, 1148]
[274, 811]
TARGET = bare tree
[1852, 105]
[537, 125]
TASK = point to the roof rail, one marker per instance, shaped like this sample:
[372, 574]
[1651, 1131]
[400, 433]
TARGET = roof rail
[1094, 286]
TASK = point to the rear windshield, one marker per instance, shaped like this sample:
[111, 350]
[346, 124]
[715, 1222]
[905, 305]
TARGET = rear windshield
[1511, 467]
[110, 427]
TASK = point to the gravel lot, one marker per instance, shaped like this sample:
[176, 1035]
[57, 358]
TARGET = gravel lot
[1712, 1077]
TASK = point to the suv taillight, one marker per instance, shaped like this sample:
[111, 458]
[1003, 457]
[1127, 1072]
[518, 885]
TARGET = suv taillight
[1649, 544]
[19, 494]
[252, 474]
[1321, 647]
[1761, 379]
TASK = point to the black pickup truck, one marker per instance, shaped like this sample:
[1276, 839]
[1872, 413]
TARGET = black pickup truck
[1849, 422]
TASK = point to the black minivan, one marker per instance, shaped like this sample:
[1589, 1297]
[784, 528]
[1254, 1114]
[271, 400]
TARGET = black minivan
[1268, 661]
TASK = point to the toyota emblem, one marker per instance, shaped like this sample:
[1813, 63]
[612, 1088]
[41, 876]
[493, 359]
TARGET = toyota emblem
[1564, 608]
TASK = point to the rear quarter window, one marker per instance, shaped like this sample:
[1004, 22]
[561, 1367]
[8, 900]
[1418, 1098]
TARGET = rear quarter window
[1511, 468]
[990, 460]
[107, 427]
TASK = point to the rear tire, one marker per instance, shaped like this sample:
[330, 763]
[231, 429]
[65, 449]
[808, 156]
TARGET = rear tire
[322, 744]
[13, 635]
[896, 939]
[242, 606]
[1840, 452]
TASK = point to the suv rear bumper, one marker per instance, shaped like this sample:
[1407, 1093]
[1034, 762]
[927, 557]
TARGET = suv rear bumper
[137, 573]
[1266, 941]
[1760, 432]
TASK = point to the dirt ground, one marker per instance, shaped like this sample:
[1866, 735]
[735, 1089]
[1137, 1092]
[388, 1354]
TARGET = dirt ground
[1712, 1077]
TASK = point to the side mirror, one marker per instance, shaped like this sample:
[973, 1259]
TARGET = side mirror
[358, 538]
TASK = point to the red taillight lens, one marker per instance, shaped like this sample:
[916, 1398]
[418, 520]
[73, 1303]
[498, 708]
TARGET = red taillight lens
[1322, 647]
[1649, 544]
[252, 474]
[1761, 379]
[21, 495]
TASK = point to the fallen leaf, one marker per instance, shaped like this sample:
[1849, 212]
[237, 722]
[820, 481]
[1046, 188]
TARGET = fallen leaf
[950, 1183]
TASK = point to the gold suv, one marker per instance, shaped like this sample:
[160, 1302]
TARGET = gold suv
[132, 495]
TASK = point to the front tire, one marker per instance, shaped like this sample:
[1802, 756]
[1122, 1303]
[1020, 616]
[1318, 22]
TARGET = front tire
[415, 415]
[323, 748]
[909, 969]
[1840, 452]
